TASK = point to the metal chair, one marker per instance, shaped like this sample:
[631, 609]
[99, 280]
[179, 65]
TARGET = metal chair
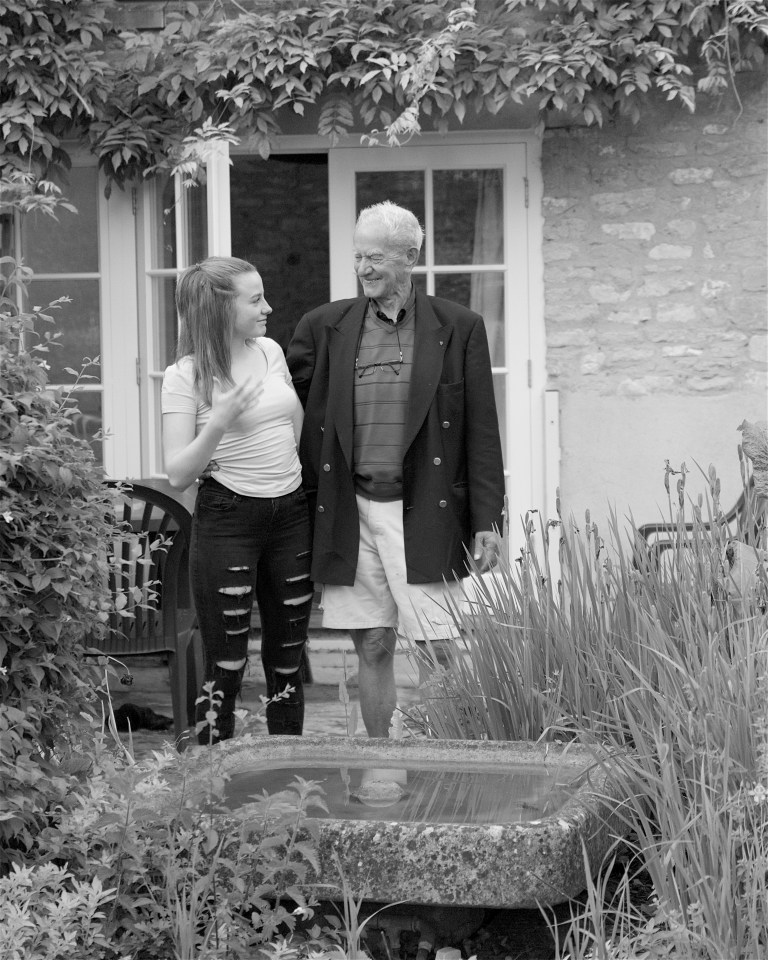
[150, 582]
[746, 521]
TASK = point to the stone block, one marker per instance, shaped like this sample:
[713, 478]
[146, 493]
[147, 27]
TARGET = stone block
[758, 348]
[684, 229]
[663, 286]
[554, 251]
[565, 229]
[675, 313]
[749, 166]
[670, 251]
[631, 315]
[604, 293]
[712, 384]
[629, 231]
[686, 175]
[592, 363]
[621, 203]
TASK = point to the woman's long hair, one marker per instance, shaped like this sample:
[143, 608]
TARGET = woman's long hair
[205, 295]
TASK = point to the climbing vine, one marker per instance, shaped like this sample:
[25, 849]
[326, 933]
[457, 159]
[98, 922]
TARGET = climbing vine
[146, 101]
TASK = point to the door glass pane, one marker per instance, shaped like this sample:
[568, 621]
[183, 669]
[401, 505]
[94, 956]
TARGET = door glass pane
[469, 216]
[196, 221]
[279, 211]
[500, 394]
[483, 293]
[70, 243]
[164, 251]
[404, 187]
[164, 321]
[7, 246]
[78, 323]
[87, 422]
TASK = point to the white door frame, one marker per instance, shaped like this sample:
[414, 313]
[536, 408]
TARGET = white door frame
[121, 408]
[218, 242]
[530, 480]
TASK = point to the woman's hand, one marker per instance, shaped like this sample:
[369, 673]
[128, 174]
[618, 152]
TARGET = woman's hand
[227, 405]
[186, 453]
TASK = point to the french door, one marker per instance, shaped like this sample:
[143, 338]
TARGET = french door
[471, 199]
[178, 226]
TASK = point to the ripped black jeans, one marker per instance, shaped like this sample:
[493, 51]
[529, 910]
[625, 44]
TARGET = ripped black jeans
[246, 548]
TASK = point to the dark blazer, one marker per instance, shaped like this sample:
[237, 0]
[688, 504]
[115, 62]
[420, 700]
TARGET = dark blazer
[453, 482]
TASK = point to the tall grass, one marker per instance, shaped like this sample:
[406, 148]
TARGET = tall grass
[658, 659]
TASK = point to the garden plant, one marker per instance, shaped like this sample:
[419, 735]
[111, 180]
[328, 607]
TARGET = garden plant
[88, 867]
[151, 101]
[658, 659]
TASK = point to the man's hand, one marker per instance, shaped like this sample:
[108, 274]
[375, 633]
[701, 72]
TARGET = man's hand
[487, 549]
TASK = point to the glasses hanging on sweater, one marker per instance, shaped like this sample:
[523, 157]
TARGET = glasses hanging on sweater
[366, 369]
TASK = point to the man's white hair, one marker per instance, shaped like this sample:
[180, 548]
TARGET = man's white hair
[401, 226]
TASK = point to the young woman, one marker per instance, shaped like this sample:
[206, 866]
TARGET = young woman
[230, 413]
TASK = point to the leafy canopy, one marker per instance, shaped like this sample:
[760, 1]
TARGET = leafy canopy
[158, 100]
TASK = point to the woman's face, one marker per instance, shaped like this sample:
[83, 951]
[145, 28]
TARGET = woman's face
[251, 308]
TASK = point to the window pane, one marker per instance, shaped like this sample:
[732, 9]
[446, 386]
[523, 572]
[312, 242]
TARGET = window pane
[69, 244]
[483, 293]
[88, 421]
[164, 322]
[196, 220]
[404, 187]
[500, 394]
[280, 225]
[164, 252]
[156, 390]
[77, 322]
[469, 216]
[6, 236]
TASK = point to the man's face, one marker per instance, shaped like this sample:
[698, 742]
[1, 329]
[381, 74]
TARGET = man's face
[383, 269]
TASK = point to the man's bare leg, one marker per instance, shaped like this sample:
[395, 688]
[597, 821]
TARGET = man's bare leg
[375, 649]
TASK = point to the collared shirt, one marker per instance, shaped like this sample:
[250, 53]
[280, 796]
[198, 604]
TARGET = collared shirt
[382, 386]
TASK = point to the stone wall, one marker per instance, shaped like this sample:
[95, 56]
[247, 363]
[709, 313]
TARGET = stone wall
[655, 294]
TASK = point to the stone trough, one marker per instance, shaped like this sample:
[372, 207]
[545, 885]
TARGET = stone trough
[534, 855]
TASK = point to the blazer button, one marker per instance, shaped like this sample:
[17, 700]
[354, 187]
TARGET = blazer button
[321, 509]
[446, 424]
[437, 461]
[443, 504]
[326, 467]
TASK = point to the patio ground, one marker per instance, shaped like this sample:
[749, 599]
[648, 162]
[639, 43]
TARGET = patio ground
[332, 658]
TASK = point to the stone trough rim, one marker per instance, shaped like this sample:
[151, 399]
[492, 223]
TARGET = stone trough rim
[547, 853]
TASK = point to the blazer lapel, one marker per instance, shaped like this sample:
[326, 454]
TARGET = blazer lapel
[432, 338]
[342, 345]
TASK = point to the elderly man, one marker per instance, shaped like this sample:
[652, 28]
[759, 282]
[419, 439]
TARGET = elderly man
[400, 451]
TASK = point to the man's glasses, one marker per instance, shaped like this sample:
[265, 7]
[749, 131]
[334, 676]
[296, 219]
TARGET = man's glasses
[394, 365]
[368, 368]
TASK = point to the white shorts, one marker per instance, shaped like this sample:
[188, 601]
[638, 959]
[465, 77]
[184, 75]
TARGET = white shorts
[381, 595]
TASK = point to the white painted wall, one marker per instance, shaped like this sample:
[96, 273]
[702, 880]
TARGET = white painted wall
[613, 450]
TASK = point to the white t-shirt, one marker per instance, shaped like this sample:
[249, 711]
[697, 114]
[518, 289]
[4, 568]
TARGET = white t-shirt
[257, 456]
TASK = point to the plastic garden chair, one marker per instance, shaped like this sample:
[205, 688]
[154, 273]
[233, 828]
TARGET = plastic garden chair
[150, 582]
